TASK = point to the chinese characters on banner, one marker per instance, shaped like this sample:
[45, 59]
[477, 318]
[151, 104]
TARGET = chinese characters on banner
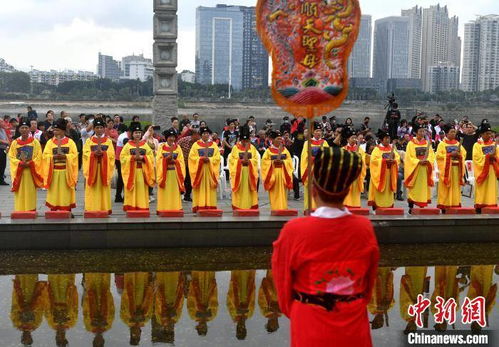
[472, 310]
[309, 42]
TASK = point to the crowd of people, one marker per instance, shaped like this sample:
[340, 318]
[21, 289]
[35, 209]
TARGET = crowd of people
[184, 161]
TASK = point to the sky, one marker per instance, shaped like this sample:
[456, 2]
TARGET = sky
[69, 34]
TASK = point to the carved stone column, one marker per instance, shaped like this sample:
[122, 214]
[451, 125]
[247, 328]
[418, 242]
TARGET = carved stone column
[165, 104]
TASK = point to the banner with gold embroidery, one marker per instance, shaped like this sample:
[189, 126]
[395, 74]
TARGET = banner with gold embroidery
[309, 42]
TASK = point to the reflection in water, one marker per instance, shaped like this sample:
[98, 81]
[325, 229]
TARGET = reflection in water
[98, 306]
[62, 310]
[29, 300]
[160, 298]
[202, 300]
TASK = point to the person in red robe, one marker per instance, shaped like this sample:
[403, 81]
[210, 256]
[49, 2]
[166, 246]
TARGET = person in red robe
[325, 265]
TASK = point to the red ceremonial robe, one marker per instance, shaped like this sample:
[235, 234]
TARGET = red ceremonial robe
[323, 255]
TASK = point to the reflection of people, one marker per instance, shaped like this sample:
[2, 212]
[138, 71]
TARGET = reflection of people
[62, 308]
[137, 170]
[170, 174]
[382, 299]
[418, 169]
[241, 299]
[384, 164]
[98, 168]
[168, 304]
[29, 301]
[25, 156]
[204, 167]
[446, 287]
[136, 303]
[486, 168]
[98, 306]
[60, 169]
[450, 160]
[413, 283]
[243, 167]
[277, 172]
[202, 300]
[325, 265]
[317, 143]
[481, 285]
[267, 301]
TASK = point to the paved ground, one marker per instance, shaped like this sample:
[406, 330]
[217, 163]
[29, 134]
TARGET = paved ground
[7, 201]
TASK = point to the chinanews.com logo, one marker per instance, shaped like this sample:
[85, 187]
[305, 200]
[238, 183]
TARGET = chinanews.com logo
[473, 312]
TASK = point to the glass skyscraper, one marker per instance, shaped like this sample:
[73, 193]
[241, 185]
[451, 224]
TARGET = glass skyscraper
[228, 49]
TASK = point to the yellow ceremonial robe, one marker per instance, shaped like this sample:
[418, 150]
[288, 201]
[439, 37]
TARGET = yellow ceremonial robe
[25, 180]
[382, 299]
[241, 297]
[244, 179]
[170, 175]
[137, 299]
[451, 173]
[202, 301]
[277, 178]
[169, 298]
[481, 277]
[62, 310]
[357, 187]
[486, 173]
[29, 302]
[98, 303]
[383, 184]
[446, 285]
[414, 282]
[137, 176]
[267, 298]
[204, 176]
[60, 177]
[317, 145]
[418, 178]
[98, 173]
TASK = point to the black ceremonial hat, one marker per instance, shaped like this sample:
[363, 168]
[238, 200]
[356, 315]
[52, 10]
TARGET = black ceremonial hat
[274, 134]
[99, 122]
[244, 132]
[382, 134]
[60, 123]
[484, 127]
[169, 132]
[205, 130]
[24, 122]
[135, 126]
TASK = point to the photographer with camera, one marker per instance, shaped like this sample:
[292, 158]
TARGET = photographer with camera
[392, 119]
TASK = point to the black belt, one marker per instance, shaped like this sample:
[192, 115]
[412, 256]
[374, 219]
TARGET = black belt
[328, 301]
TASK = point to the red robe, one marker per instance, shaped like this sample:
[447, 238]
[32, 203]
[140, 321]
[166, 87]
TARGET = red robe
[318, 255]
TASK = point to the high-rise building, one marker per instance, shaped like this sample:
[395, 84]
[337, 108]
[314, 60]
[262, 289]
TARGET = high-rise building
[440, 41]
[481, 54]
[415, 16]
[359, 63]
[137, 67]
[55, 78]
[391, 48]
[108, 68]
[443, 77]
[228, 49]
[188, 76]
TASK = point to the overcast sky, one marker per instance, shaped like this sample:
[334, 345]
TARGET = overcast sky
[68, 34]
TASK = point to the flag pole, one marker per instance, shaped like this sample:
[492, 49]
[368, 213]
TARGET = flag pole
[310, 117]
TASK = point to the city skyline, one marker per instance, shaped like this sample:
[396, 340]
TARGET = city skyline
[120, 27]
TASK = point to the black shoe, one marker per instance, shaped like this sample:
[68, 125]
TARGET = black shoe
[399, 197]
[3, 183]
[118, 199]
[187, 199]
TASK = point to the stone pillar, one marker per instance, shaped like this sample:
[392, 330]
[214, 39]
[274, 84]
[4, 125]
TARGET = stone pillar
[165, 103]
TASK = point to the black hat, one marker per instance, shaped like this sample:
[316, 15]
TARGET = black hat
[244, 132]
[274, 134]
[169, 132]
[24, 122]
[317, 126]
[205, 130]
[60, 123]
[99, 122]
[135, 126]
[382, 134]
[335, 169]
[349, 132]
[447, 127]
[418, 126]
[484, 127]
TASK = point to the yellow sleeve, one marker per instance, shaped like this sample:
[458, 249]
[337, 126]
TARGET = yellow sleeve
[125, 160]
[288, 163]
[441, 156]
[86, 157]
[411, 162]
[363, 172]
[149, 166]
[304, 161]
[111, 157]
[180, 159]
[14, 162]
[159, 164]
[478, 159]
[254, 162]
[72, 165]
[215, 162]
[375, 166]
[431, 158]
[233, 161]
[37, 156]
[193, 161]
[267, 177]
[47, 160]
